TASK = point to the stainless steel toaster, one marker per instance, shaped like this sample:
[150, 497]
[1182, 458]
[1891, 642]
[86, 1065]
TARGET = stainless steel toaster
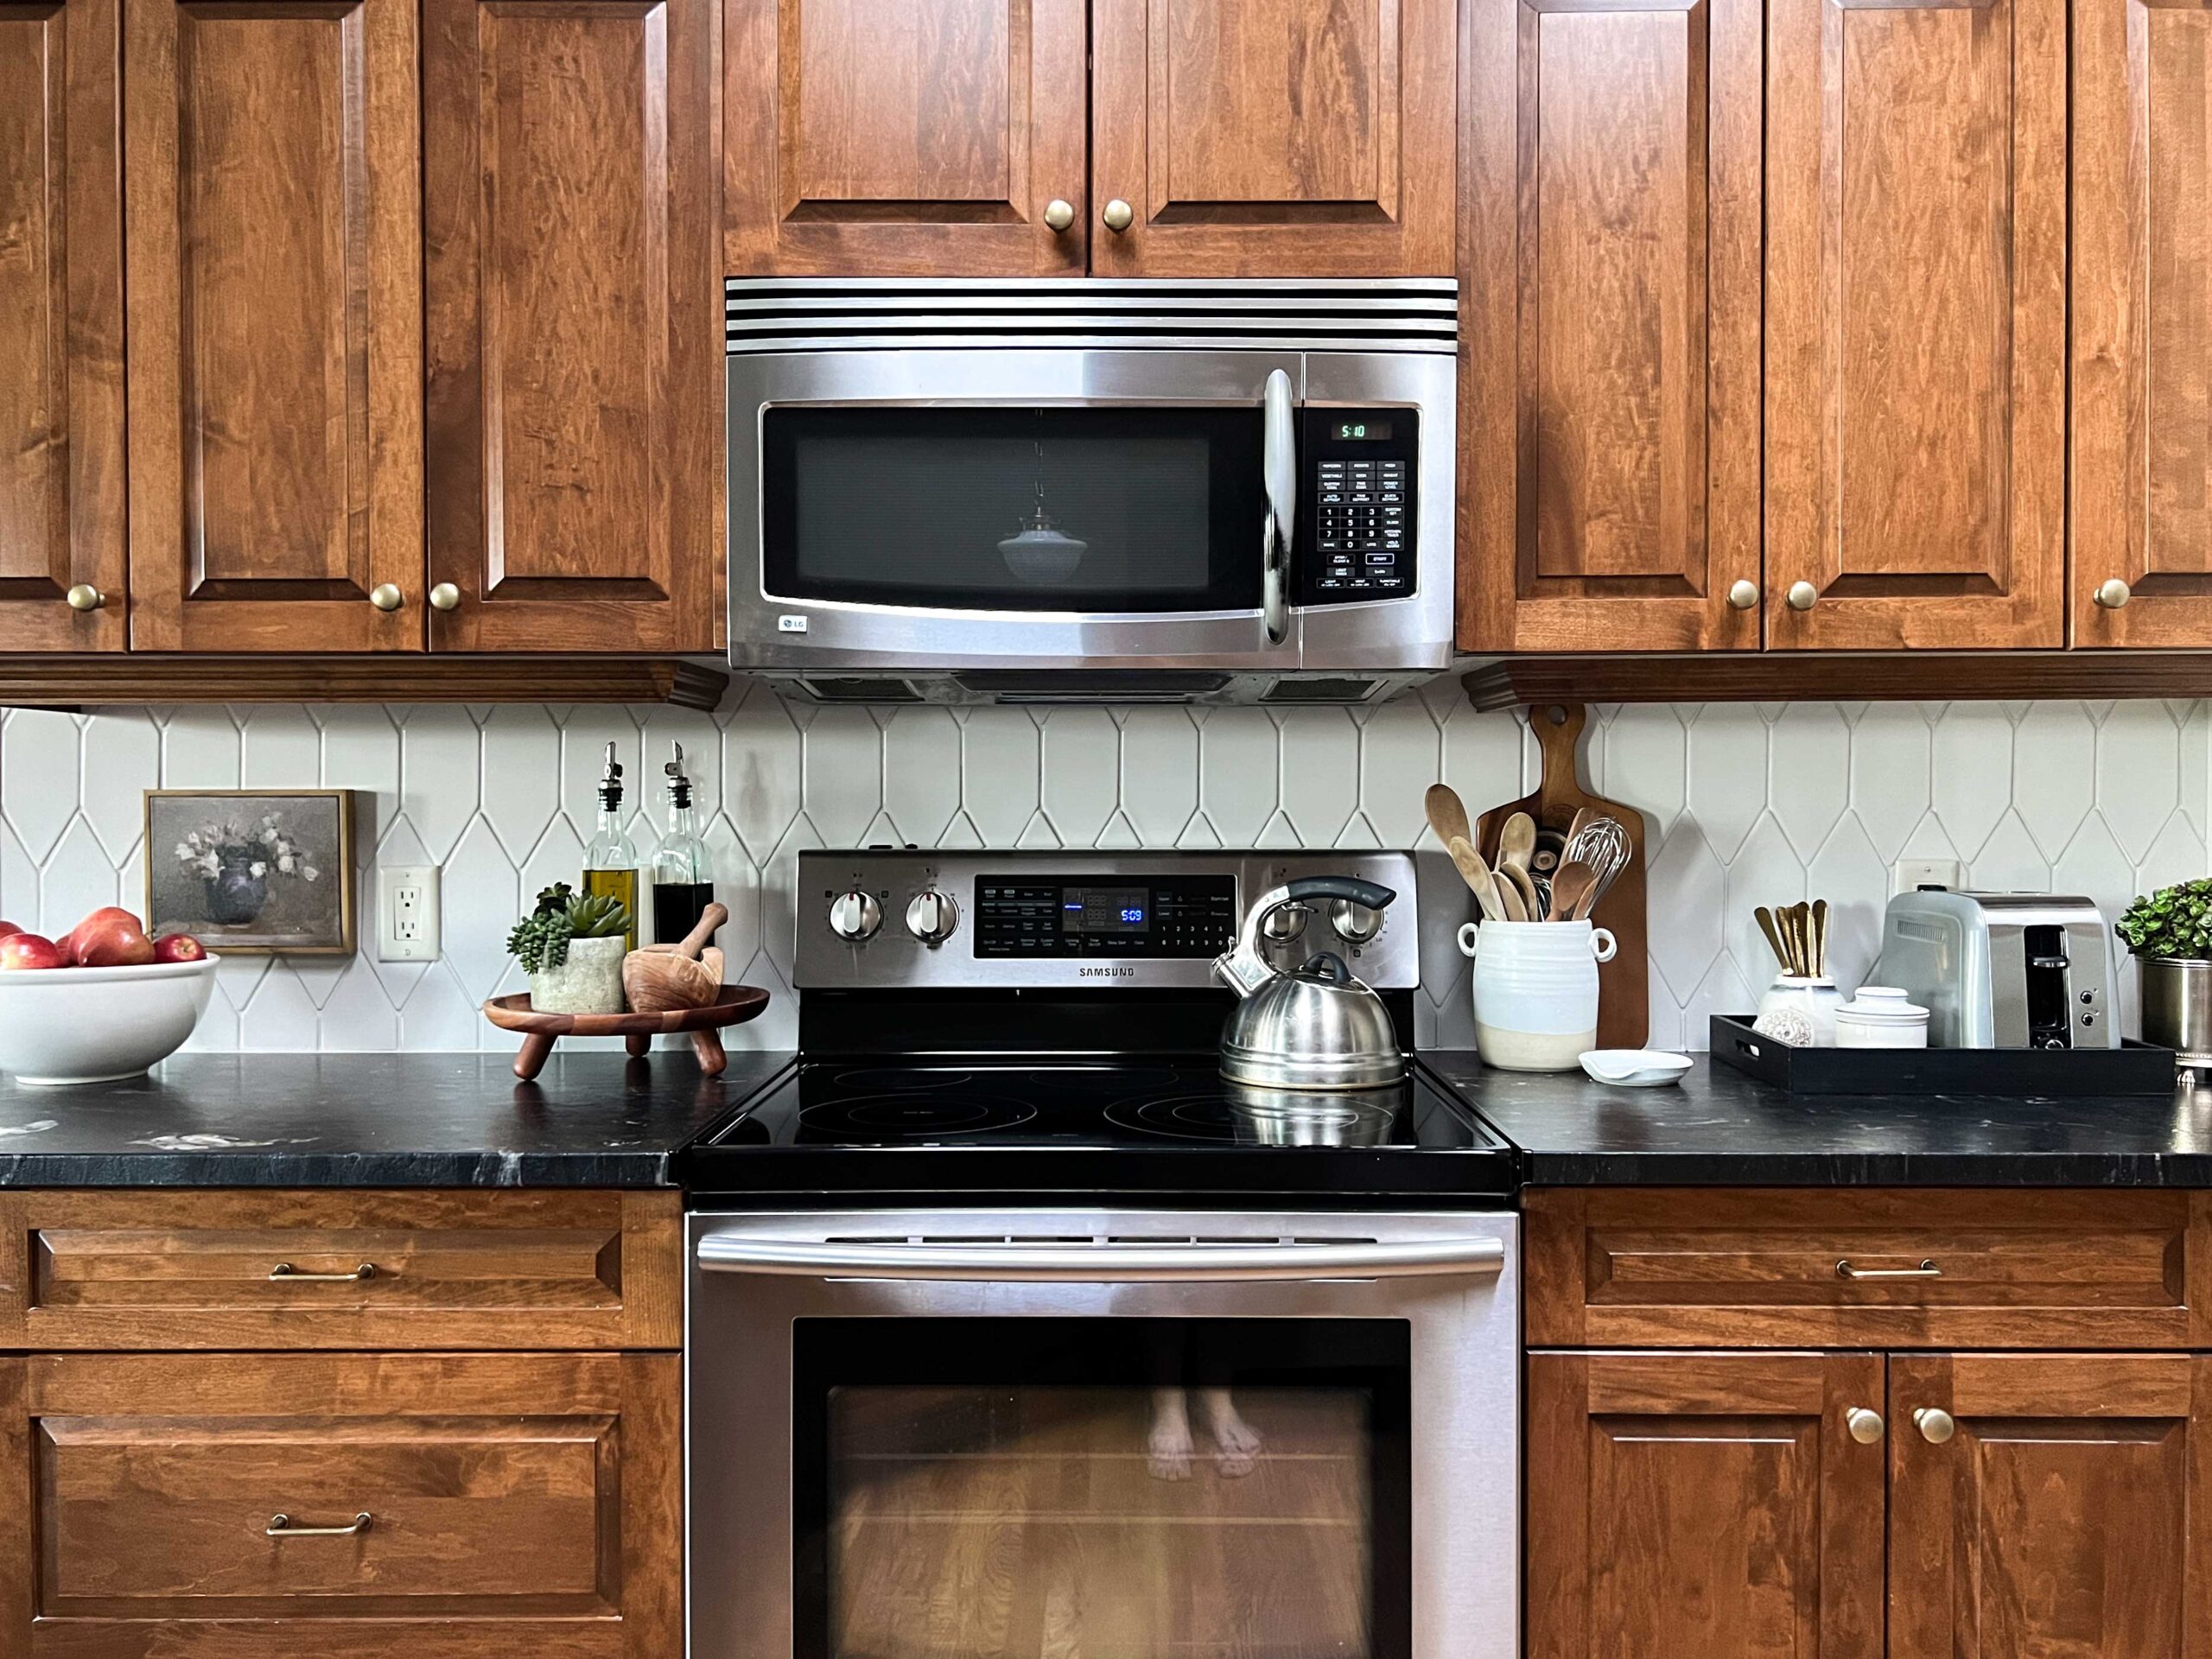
[2003, 970]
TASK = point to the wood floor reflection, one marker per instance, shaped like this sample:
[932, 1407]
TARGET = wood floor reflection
[1032, 1524]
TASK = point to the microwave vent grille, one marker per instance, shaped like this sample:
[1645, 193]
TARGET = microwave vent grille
[1420, 313]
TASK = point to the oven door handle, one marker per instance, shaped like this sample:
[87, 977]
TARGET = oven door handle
[1279, 471]
[1109, 1263]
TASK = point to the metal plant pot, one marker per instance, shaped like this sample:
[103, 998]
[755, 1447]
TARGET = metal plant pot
[2177, 1006]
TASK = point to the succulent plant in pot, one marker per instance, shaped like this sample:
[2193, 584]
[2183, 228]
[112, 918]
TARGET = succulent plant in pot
[2169, 931]
[572, 948]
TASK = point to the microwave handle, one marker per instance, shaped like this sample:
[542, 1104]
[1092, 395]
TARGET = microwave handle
[1278, 470]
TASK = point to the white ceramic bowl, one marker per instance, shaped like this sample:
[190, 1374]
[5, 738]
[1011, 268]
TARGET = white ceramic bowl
[95, 1025]
[1634, 1068]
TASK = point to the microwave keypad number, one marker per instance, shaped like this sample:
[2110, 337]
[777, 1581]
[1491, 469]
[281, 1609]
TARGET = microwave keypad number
[1032, 916]
[1360, 467]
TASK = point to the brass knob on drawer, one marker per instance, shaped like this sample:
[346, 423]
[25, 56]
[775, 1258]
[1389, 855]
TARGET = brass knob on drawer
[1803, 595]
[1119, 215]
[2114, 594]
[1936, 1424]
[85, 597]
[1742, 595]
[1866, 1426]
[1059, 214]
[385, 597]
[445, 597]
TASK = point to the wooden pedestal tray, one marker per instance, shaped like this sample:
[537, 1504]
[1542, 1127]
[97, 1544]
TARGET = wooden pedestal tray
[734, 1005]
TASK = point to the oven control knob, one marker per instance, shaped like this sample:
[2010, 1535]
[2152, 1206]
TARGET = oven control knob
[1354, 923]
[932, 917]
[854, 916]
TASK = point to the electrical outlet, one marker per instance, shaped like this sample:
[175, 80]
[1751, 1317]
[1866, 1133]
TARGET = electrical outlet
[407, 913]
[1912, 874]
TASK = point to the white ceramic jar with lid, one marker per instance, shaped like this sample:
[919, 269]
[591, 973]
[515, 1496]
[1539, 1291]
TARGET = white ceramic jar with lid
[1880, 1017]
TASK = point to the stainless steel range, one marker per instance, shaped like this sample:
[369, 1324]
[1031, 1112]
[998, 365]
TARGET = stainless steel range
[1014, 1327]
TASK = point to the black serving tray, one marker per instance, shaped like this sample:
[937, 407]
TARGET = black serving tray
[2132, 1069]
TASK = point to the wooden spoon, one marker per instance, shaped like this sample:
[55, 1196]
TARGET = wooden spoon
[661, 978]
[1447, 815]
[1515, 880]
[1516, 840]
[1820, 937]
[1574, 889]
[1772, 929]
[1478, 877]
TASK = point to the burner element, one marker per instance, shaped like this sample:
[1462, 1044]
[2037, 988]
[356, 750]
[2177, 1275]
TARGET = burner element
[1265, 1117]
[915, 1116]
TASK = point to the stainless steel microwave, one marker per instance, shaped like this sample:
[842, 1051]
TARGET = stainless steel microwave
[1092, 490]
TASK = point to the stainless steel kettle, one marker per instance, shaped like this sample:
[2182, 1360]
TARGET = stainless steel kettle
[1316, 1027]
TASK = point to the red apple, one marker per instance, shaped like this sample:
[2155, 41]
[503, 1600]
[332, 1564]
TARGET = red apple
[110, 937]
[19, 949]
[6, 928]
[179, 947]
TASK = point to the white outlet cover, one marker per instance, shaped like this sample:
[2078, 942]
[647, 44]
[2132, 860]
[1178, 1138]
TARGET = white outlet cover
[1911, 874]
[407, 913]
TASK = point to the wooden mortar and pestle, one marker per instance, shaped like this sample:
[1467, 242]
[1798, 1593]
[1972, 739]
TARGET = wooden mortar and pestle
[685, 975]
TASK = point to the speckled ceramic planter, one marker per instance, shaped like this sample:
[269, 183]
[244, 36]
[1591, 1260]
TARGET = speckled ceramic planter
[589, 981]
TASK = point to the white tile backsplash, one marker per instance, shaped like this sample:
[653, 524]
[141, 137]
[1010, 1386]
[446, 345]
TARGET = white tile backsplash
[1748, 805]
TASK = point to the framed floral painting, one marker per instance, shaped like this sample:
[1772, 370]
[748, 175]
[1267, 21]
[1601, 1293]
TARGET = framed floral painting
[252, 872]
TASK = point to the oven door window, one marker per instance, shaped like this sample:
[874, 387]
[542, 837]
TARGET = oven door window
[1116, 1488]
[1014, 508]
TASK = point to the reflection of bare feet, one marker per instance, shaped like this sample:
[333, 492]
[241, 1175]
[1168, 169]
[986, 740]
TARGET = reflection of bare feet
[1237, 1442]
[1169, 1447]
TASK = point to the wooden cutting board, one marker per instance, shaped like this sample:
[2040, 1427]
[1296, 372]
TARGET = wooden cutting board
[1624, 983]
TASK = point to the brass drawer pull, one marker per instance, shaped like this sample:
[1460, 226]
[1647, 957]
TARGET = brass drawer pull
[1925, 1270]
[285, 1271]
[280, 1526]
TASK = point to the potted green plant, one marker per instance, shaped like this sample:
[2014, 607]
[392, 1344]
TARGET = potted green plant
[572, 948]
[2169, 932]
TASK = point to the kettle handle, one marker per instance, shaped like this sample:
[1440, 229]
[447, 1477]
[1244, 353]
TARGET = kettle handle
[1373, 894]
[1242, 968]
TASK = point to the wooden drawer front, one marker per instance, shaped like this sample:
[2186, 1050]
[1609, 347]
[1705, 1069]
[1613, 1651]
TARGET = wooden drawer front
[215, 1270]
[1665, 1266]
[535, 1495]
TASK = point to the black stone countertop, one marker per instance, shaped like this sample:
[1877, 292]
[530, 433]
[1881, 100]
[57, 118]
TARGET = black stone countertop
[371, 1120]
[1721, 1127]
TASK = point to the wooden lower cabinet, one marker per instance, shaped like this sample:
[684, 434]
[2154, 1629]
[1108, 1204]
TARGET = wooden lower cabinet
[347, 1506]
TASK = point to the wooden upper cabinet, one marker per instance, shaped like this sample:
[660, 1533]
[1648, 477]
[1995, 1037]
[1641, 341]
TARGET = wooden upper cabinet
[1916, 323]
[1610, 283]
[575, 357]
[2141, 511]
[1690, 1503]
[62, 459]
[921, 137]
[271, 220]
[2069, 1512]
[1272, 138]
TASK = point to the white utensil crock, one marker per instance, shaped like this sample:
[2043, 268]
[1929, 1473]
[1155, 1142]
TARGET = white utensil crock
[1536, 991]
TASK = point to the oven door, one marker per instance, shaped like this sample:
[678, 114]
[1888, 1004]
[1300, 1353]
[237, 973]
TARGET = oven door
[1012, 509]
[979, 1435]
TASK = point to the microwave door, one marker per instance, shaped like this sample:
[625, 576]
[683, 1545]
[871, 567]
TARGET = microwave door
[948, 510]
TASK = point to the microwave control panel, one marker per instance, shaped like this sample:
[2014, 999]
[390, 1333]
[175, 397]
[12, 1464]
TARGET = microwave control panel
[1355, 535]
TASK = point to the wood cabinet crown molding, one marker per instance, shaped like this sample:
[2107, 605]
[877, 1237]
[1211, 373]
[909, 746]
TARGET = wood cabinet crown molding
[1869, 677]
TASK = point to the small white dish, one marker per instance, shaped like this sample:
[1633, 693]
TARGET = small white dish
[1634, 1068]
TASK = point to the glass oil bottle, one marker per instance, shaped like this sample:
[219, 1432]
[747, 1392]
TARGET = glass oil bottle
[611, 861]
[683, 870]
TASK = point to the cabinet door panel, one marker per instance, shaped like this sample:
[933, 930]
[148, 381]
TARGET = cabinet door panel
[925, 138]
[2066, 1514]
[2141, 431]
[275, 310]
[1916, 323]
[1612, 352]
[61, 495]
[1703, 1503]
[574, 381]
[1274, 138]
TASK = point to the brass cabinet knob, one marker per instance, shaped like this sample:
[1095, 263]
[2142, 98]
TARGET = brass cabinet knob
[2114, 594]
[1742, 595]
[1935, 1423]
[1866, 1426]
[445, 597]
[1119, 215]
[1801, 595]
[85, 597]
[1059, 214]
[385, 597]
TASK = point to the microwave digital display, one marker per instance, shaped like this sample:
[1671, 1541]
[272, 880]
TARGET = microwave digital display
[1359, 431]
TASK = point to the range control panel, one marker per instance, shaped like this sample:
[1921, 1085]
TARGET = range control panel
[1356, 539]
[1045, 915]
[911, 918]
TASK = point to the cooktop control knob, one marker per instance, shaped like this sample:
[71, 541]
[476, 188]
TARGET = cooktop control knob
[854, 916]
[932, 917]
[1355, 923]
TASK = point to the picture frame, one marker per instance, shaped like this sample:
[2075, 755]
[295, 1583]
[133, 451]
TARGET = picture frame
[252, 872]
